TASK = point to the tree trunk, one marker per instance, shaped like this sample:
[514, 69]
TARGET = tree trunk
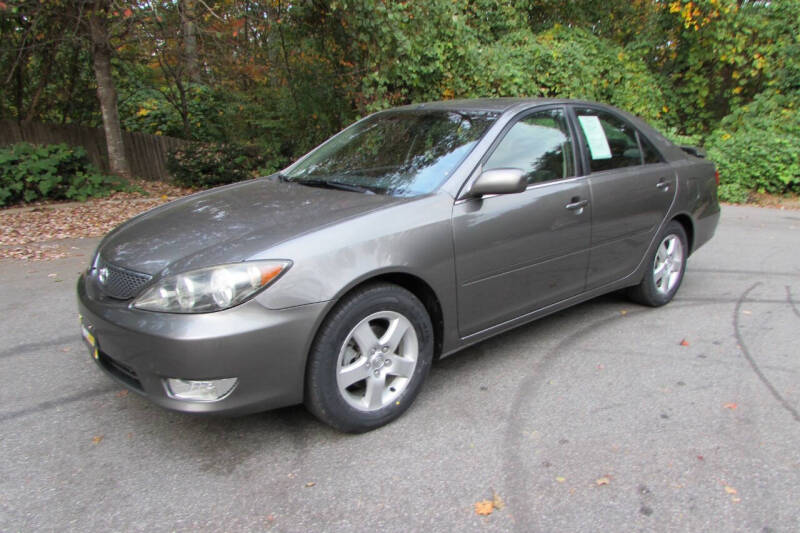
[189, 30]
[19, 92]
[45, 77]
[74, 72]
[106, 92]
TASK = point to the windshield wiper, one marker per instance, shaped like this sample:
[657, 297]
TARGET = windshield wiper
[333, 184]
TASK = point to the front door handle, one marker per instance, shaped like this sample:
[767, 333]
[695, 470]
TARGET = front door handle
[662, 184]
[577, 204]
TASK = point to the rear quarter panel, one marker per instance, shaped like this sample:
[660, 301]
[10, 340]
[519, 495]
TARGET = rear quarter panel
[697, 197]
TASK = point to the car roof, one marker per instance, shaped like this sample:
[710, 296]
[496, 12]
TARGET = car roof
[488, 104]
[474, 104]
[514, 105]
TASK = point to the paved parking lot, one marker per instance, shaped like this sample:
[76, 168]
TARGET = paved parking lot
[605, 417]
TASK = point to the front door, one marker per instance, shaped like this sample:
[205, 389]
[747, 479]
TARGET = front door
[516, 253]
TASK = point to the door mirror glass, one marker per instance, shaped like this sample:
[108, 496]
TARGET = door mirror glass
[499, 181]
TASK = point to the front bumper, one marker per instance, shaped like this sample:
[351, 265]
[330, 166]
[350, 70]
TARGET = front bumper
[265, 349]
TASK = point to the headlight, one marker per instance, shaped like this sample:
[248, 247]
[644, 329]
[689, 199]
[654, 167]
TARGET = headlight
[210, 289]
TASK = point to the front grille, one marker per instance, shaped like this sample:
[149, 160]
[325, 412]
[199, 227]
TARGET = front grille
[119, 370]
[118, 282]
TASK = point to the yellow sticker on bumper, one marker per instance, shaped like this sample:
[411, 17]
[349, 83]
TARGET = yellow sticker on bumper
[91, 341]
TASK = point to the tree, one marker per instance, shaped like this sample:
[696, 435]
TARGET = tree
[97, 19]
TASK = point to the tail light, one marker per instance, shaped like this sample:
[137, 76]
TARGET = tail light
[716, 176]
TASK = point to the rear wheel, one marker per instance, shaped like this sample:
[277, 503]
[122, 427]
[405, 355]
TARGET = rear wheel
[666, 267]
[370, 358]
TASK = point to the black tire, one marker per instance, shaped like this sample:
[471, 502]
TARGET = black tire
[323, 395]
[656, 292]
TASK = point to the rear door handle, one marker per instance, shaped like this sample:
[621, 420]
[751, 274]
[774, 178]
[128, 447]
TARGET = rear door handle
[662, 184]
[577, 204]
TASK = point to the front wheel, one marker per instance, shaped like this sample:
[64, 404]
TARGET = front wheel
[666, 267]
[370, 358]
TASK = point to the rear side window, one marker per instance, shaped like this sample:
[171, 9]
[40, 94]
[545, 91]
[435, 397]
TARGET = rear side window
[649, 152]
[612, 143]
[539, 144]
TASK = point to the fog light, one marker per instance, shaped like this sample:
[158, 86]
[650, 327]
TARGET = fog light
[200, 391]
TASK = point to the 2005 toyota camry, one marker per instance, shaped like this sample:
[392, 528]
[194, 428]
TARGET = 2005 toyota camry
[408, 236]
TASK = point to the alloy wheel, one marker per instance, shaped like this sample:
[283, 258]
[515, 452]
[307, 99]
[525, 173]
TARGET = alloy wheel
[377, 360]
[668, 264]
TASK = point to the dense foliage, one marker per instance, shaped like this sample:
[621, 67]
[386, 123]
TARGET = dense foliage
[211, 164]
[756, 148]
[29, 173]
[282, 76]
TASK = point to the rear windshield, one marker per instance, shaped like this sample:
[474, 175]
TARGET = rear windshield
[402, 153]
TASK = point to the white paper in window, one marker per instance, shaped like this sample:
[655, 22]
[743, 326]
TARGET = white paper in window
[595, 137]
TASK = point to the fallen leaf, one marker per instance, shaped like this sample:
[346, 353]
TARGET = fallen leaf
[561, 479]
[730, 405]
[310, 484]
[623, 312]
[730, 490]
[24, 233]
[96, 439]
[497, 501]
[603, 481]
[66, 349]
[699, 457]
[684, 342]
[484, 508]
[122, 393]
[735, 499]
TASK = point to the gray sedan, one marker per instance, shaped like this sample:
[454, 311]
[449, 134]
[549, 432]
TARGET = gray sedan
[408, 236]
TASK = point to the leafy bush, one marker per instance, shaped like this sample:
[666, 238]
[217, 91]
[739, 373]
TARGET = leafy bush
[568, 63]
[755, 148]
[57, 171]
[149, 111]
[209, 165]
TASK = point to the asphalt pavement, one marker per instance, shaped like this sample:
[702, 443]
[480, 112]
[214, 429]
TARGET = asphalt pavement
[605, 417]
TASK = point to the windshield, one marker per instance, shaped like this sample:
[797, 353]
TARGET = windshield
[402, 153]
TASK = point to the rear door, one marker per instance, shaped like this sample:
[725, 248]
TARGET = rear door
[632, 189]
[519, 252]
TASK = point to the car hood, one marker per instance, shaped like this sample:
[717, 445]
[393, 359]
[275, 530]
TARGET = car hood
[230, 224]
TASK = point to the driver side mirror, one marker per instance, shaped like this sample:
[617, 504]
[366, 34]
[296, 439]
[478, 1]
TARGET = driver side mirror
[499, 181]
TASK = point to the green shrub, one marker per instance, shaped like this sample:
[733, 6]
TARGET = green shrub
[756, 160]
[756, 148]
[567, 62]
[57, 171]
[149, 111]
[209, 165]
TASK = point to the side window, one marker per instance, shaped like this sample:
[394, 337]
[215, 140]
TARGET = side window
[539, 144]
[649, 152]
[612, 143]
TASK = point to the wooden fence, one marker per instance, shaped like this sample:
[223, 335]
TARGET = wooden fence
[147, 154]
